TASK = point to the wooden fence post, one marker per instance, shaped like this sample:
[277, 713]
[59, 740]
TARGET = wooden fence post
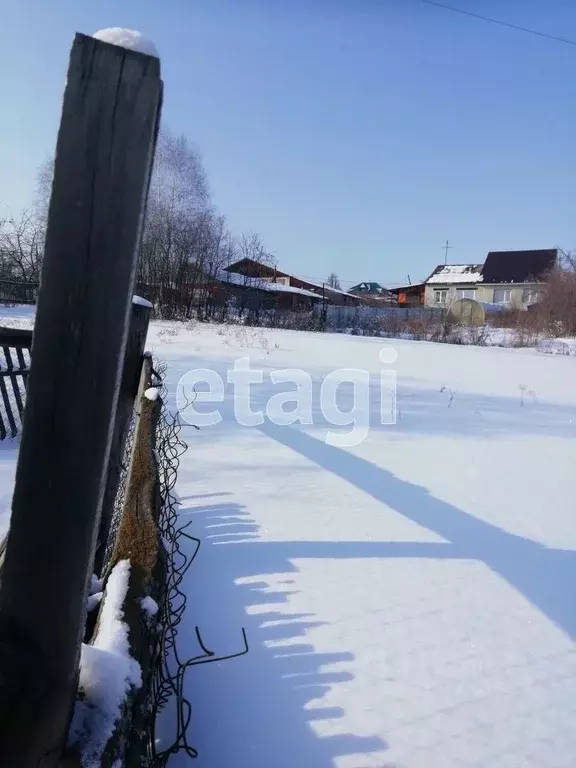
[139, 319]
[103, 159]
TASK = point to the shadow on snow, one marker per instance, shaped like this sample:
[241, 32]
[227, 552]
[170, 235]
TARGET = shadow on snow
[273, 688]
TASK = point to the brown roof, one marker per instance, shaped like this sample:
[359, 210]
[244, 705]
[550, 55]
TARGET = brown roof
[518, 266]
[415, 288]
[253, 268]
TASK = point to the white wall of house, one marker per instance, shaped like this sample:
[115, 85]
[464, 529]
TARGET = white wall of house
[514, 296]
[439, 295]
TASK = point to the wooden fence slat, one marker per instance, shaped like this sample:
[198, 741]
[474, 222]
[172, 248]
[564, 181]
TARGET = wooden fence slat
[3, 432]
[8, 406]
[9, 364]
[21, 358]
[14, 381]
[139, 320]
[138, 540]
[103, 158]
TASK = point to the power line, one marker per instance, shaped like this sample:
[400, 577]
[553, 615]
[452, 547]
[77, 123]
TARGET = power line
[508, 24]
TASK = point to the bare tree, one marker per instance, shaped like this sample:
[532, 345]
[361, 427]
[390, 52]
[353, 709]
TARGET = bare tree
[557, 306]
[333, 281]
[250, 246]
[185, 243]
[567, 260]
[44, 177]
[22, 237]
[178, 182]
[21, 248]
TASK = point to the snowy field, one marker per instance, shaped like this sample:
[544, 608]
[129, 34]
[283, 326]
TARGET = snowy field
[409, 602]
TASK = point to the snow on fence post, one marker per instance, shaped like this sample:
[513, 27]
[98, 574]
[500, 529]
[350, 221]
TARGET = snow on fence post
[139, 319]
[103, 159]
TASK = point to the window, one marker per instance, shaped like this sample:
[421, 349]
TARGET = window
[530, 295]
[501, 295]
[440, 297]
[466, 293]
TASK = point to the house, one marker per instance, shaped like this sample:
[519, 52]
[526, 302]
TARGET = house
[449, 282]
[507, 278]
[256, 293]
[514, 278]
[266, 273]
[409, 295]
[374, 294]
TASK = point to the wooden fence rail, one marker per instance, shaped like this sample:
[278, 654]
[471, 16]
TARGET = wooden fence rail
[14, 369]
[18, 292]
[15, 347]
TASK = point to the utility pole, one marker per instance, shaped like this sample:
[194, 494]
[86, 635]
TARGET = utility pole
[446, 249]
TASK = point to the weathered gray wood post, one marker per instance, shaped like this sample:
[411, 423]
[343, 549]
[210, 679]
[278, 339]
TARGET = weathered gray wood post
[138, 328]
[103, 159]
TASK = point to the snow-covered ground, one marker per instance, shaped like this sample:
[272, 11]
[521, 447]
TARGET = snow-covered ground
[409, 602]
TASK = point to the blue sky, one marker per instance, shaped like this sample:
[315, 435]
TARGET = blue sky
[355, 135]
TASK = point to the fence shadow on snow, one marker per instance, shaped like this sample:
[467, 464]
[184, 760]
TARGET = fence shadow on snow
[538, 572]
[274, 687]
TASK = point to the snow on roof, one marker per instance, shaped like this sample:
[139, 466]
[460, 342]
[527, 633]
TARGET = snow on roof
[368, 287]
[320, 286]
[456, 273]
[261, 284]
[281, 273]
[127, 38]
[141, 302]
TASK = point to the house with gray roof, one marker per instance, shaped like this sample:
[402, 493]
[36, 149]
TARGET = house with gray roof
[508, 279]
